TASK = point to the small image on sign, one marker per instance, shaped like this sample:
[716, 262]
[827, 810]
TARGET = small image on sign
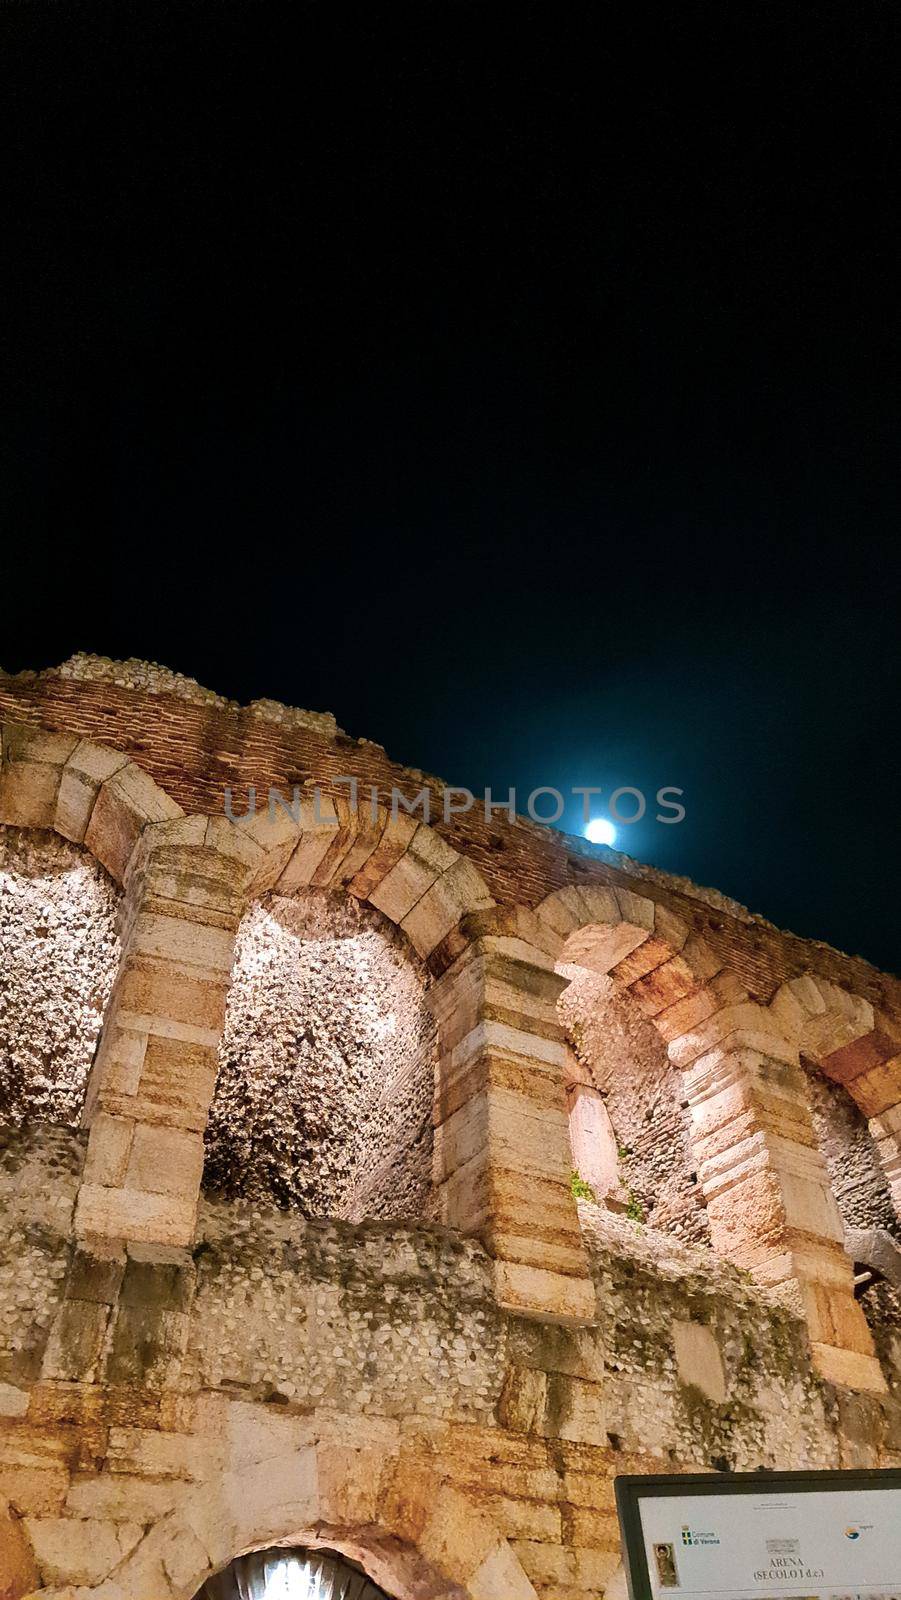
[665, 1557]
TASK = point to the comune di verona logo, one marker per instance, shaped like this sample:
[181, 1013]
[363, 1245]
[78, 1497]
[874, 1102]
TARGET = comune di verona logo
[690, 1536]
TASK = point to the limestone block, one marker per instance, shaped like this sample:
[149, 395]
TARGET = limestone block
[349, 1483]
[577, 1411]
[143, 1576]
[18, 1572]
[71, 1550]
[551, 1296]
[670, 928]
[127, 801]
[228, 840]
[28, 791]
[364, 834]
[734, 1027]
[275, 831]
[145, 1452]
[698, 1359]
[458, 891]
[120, 1213]
[179, 1076]
[13, 1401]
[190, 944]
[149, 991]
[263, 1498]
[318, 836]
[879, 1088]
[425, 859]
[602, 948]
[184, 1557]
[592, 1138]
[108, 1149]
[810, 1205]
[500, 1577]
[96, 1273]
[643, 960]
[685, 1015]
[848, 1368]
[601, 904]
[635, 908]
[551, 1566]
[114, 1497]
[88, 766]
[455, 1536]
[120, 1058]
[34, 1490]
[397, 834]
[563, 920]
[886, 1130]
[75, 1347]
[523, 1398]
[166, 1161]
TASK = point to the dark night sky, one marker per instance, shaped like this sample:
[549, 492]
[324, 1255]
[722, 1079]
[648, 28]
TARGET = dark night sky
[519, 383]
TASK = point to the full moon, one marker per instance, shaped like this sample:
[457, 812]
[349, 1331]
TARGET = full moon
[600, 831]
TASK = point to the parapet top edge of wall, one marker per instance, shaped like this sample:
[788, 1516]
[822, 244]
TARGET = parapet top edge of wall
[521, 861]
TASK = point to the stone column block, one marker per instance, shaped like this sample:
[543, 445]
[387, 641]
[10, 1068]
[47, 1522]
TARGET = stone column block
[502, 1152]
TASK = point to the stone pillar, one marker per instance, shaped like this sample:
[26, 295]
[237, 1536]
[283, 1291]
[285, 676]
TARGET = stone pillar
[769, 1199]
[156, 1065]
[502, 1154]
[591, 1136]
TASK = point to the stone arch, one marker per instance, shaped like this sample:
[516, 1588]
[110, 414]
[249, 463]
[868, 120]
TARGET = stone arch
[399, 865]
[90, 794]
[642, 946]
[671, 984]
[189, 880]
[386, 860]
[414, 1537]
[854, 1045]
[849, 1039]
[769, 1200]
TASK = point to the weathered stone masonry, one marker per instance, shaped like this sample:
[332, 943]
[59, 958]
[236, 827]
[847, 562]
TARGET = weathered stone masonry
[444, 1387]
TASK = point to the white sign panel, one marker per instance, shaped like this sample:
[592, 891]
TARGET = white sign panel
[772, 1542]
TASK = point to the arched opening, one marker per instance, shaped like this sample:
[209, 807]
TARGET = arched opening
[323, 1102]
[629, 1125]
[59, 953]
[286, 1574]
[860, 1186]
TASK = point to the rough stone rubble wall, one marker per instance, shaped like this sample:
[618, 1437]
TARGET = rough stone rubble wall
[39, 1172]
[628, 1063]
[324, 1097]
[856, 1173]
[385, 1343]
[59, 952]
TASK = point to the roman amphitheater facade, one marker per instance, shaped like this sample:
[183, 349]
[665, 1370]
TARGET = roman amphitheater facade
[387, 1188]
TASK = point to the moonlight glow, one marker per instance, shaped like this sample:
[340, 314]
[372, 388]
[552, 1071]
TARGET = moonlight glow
[600, 831]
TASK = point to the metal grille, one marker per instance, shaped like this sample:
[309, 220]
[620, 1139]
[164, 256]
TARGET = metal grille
[291, 1575]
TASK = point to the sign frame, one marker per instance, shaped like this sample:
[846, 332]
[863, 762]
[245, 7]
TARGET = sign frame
[629, 1488]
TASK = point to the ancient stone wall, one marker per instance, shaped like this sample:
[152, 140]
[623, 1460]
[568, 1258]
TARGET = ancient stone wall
[858, 1179]
[59, 952]
[643, 1093]
[327, 1064]
[360, 1380]
[194, 746]
[292, 1356]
